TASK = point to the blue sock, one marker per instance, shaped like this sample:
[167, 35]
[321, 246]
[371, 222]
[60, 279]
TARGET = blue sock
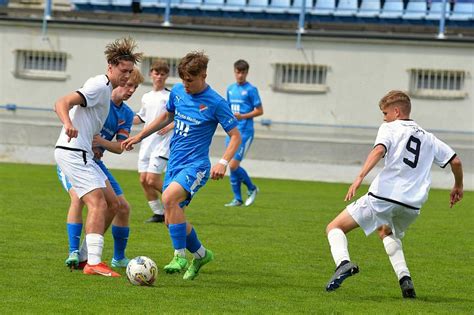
[235, 183]
[74, 231]
[120, 234]
[245, 178]
[192, 242]
[178, 235]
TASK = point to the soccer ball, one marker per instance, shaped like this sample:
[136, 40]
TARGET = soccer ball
[142, 270]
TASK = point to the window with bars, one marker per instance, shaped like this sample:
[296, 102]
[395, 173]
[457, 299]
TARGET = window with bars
[301, 78]
[173, 63]
[437, 84]
[36, 64]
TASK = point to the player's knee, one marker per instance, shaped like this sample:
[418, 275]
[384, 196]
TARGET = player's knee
[124, 208]
[384, 231]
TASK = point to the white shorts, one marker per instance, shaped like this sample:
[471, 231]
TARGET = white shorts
[371, 213]
[80, 170]
[154, 164]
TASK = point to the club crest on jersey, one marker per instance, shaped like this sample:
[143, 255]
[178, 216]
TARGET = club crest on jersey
[244, 93]
[202, 107]
[121, 122]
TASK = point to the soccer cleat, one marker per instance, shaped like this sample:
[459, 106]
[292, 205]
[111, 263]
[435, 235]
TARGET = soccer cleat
[345, 270]
[177, 264]
[82, 264]
[233, 203]
[121, 263]
[196, 264]
[72, 261]
[156, 218]
[100, 269]
[252, 195]
[408, 290]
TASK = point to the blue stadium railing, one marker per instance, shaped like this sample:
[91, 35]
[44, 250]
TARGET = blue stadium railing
[391, 11]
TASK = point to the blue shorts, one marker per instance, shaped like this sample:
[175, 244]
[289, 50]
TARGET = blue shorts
[115, 185]
[247, 139]
[191, 178]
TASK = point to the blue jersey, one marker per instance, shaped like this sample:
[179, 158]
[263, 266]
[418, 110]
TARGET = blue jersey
[118, 122]
[243, 99]
[196, 117]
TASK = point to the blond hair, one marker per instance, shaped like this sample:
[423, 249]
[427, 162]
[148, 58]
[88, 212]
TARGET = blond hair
[396, 98]
[136, 77]
[122, 50]
[193, 63]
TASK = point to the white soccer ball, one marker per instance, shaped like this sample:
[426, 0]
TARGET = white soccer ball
[142, 270]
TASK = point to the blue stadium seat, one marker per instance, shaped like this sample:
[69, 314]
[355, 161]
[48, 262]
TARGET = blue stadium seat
[101, 5]
[435, 10]
[256, 6]
[463, 10]
[212, 5]
[296, 6]
[416, 10]
[278, 7]
[235, 5]
[190, 4]
[392, 9]
[122, 5]
[82, 4]
[369, 8]
[159, 3]
[324, 7]
[346, 8]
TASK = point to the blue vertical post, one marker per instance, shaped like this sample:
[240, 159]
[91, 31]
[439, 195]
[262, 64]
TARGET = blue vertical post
[442, 20]
[46, 17]
[301, 24]
[167, 13]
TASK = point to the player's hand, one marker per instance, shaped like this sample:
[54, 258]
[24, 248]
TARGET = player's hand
[238, 116]
[456, 195]
[353, 189]
[96, 141]
[98, 153]
[218, 171]
[127, 144]
[71, 132]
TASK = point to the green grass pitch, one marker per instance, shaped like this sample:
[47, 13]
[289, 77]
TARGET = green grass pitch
[272, 257]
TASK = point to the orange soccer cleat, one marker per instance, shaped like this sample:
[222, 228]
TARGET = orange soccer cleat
[100, 269]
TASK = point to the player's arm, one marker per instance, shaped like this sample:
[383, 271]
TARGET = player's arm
[458, 191]
[62, 108]
[218, 170]
[157, 124]
[373, 158]
[112, 146]
[257, 111]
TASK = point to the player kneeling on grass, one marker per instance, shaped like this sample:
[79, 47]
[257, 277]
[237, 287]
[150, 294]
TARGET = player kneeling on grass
[196, 110]
[396, 194]
[83, 114]
[117, 125]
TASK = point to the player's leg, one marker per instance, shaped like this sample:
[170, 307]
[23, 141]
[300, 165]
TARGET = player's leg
[74, 229]
[252, 190]
[121, 233]
[154, 182]
[202, 256]
[173, 197]
[97, 218]
[235, 184]
[336, 234]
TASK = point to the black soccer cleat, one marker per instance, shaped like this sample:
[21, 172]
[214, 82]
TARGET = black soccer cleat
[156, 218]
[343, 271]
[408, 290]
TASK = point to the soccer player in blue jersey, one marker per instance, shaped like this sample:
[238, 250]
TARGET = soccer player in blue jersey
[245, 104]
[117, 125]
[196, 110]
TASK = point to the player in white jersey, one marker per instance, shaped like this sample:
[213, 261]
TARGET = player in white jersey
[396, 194]
[154, 150]
[83, 113]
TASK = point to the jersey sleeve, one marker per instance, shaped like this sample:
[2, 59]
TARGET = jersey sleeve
[124, 131]
[443, 154]
[170, 106]
[384, 137]
[91, 92]
[255, 97]
[225, 117]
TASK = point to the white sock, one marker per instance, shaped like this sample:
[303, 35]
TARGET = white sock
[200, 253]
[338, 242]
[180, 252]
[83, 250]
[156, 206]
[95, 244]
[393, 247]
